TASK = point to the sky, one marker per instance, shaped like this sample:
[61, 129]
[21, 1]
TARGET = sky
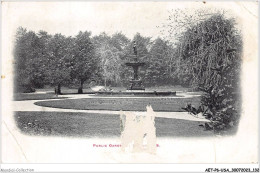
[69, 18]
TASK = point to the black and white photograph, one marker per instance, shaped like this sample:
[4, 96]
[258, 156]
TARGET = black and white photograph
[129, 82]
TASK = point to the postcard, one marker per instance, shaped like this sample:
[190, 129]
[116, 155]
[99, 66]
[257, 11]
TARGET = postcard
[129, 82]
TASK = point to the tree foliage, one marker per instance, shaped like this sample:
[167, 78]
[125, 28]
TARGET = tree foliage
[28, 56]
[109, 51]
[58, 60]
[83, 62]
[209, 54]
[157, 71]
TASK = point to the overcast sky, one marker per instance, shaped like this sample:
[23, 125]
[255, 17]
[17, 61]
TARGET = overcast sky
[69, 18]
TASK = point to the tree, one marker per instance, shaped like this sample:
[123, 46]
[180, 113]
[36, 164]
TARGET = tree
[110, 53]
[119, 42]
[58, 66]
[41, 60]
[27, 60]
[210, 56]
[158, 66]
[84, 63]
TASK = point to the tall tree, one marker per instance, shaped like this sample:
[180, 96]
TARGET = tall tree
[20, 58]
[28, 61]
[110, 53]
[157, 69]
[41, 59]
[210, 52]
[84, 63]
[59, 67]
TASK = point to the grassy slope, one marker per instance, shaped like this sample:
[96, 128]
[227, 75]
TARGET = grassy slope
[126, 104]
[97, 125]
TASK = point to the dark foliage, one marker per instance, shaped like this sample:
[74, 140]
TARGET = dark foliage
[212, 50]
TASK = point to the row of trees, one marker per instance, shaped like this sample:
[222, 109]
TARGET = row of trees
[44, 59]
[56, 60]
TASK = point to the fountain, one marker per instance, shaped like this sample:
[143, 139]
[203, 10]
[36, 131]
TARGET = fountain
[136, 86]
[135, 82]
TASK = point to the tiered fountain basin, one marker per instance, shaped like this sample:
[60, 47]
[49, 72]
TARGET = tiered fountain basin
[135, 82]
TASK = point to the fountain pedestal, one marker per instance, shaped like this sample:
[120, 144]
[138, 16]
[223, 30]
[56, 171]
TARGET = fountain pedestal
[135, 82]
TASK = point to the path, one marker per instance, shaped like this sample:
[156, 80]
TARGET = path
[28, 105]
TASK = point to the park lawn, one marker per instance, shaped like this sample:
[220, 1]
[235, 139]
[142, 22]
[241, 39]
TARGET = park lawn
[98, 125]
[125, 104]
[33, 96]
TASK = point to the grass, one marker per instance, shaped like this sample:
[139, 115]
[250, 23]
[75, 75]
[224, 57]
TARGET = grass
[126, 104]
[97, 125]
[33, 96]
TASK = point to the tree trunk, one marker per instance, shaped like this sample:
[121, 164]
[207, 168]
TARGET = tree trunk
[57, 89]
[80, 90]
